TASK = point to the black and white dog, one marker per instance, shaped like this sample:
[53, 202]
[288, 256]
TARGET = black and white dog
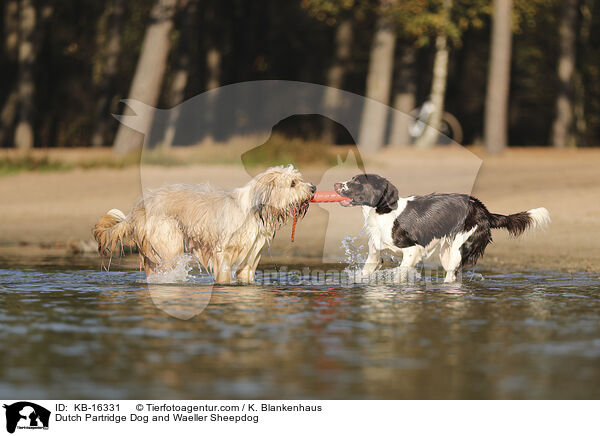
[459, 224]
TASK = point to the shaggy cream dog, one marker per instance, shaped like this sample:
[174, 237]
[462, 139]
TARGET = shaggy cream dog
[225, 231]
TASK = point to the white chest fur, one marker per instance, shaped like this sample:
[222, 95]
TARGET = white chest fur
[379, 226]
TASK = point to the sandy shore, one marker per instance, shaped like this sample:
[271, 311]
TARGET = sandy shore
[58, 208]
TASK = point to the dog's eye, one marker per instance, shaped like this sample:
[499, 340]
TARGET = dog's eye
[293, 185]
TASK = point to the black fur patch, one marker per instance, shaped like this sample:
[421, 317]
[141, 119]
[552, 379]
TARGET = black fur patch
[475, 245]
[402, 238]
[431, 216]
[373, 191]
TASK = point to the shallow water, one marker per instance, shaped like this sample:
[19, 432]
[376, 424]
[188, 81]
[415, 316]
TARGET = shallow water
[68, 330]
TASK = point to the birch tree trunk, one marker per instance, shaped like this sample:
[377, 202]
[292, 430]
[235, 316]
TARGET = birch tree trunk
[379, 81]
[24, 137]
[336, 74]
[405, 98]
[562, 128]
[149, 72]
[438, 85]
[111, 39]
[498, 86]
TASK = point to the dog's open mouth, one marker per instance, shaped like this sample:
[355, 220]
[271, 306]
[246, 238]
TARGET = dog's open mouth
[339, 190]
[347, 202]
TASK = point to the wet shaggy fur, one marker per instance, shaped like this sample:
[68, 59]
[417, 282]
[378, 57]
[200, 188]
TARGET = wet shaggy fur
[224, 230]
[460, 224]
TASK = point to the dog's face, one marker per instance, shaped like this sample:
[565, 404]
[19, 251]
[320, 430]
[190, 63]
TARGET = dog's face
[369, 190]
[280, 193]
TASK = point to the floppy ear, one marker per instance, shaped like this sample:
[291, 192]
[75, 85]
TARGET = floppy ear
[389, 199]
[261, 194]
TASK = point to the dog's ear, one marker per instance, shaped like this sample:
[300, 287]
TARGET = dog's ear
[261, 194]
[389, 199]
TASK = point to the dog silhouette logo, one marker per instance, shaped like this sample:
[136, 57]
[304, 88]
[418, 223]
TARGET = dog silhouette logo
[26, 415]
[251, 126]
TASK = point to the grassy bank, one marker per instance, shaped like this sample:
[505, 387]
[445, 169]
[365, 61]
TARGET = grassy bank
[277, 150]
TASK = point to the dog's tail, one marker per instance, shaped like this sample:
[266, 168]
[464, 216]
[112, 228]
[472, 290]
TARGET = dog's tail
[519, 223]
[113, 230]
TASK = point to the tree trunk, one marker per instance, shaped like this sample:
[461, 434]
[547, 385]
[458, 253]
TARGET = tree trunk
[438, 85]
[562, 129]
[24, 137]
[11, 28]
[336, 74]
[149, 72]
[214, 37]
[405, 99]
[181, 73]
[498, 86]
[8, 115]
[110, 37]
[213, 53]
[213, 68]
[379, 82]
[580, 95]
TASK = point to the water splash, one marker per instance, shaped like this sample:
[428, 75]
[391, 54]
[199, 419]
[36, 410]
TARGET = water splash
[356, 255]
[180, 273]
[473, 276]
[353, 255]
[392, 258]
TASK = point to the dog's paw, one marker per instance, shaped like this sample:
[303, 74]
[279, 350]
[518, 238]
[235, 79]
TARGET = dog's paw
[450, 277]
[407, 274]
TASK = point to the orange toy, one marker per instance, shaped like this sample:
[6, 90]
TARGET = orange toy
[320, 197]
[327, 197]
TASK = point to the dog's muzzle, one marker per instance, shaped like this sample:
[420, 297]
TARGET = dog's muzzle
[340, 188]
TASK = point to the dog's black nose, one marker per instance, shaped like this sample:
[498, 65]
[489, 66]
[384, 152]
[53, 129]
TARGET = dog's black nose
[313, 188]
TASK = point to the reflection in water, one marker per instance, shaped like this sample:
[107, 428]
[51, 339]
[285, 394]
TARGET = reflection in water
[76, 332]
[180, 301]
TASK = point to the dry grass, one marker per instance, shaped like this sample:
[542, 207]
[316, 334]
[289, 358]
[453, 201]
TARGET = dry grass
[61, 159]
[277, 150]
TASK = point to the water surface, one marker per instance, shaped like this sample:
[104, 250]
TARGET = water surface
[69, 330]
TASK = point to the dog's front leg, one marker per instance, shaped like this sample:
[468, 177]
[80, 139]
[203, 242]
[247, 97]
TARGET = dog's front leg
[243, 275]
[246, 274]
[253, 268]
[223, 275]
[373, 261]
[222, 269]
